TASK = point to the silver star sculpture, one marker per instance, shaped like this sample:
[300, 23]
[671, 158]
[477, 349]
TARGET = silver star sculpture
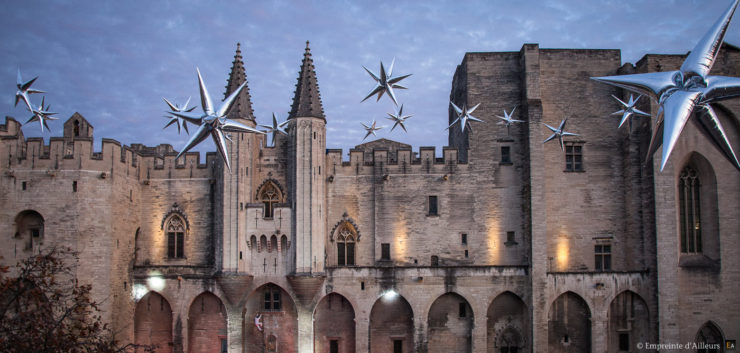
[24, 89]
[275, 128]
[213, 122]
[176, 119]
[42, 115]
[629, 109]
[464, 117]
[399, 119]
[385, 83]
[508, 119]
[370, 129]
[679, 92]
[559, 133]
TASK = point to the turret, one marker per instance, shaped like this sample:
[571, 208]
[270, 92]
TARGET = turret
[307, 171]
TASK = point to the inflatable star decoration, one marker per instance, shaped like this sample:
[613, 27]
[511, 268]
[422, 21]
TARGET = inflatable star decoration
[385, 83]
[399, 119]
[680, 92]
[213, 122]
[559, 133]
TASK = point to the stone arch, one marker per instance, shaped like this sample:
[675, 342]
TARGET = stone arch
[284, 243]
[334, 320]
[391, 323]
[507, 326]
[628, 322]
[273, 243]
[29, 231]
[153, 322]
[206, 323]
[698, 221]
[253, 242]
[279, 321]
[712, 338]
[569, 324]
[263, 243]
[270, 193]
[450, 324]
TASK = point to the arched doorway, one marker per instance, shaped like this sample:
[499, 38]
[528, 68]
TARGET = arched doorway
[206, 324]
[153, 322]
[334, 325]
[569, 325]
[629, 322]
[507, 325]
[272, 307]
[450, 325]
[391, 325]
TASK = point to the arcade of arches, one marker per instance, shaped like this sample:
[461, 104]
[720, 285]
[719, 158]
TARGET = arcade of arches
[449, 324]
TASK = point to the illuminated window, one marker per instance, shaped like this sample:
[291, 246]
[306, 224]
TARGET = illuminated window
[272, 299]
[269, 195]
[573, 158]
[689, 199]
[175, 238]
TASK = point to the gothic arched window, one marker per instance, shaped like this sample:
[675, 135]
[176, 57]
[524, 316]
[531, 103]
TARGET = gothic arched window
[175, 237]
[269, 195]
[689, 199]
[346, 245]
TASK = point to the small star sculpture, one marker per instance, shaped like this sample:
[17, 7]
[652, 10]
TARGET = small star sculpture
[680, 92]
[385, 83]
[464, 116]
[42, 115]
[176, 119]
[370, 129]
[213, 122]
[24, 89]
[275, 128]
[399, 119]
[508, 119]
[628, 110]
[559, 133]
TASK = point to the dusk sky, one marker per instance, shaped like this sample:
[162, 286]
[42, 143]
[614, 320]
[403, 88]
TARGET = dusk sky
[114, 61]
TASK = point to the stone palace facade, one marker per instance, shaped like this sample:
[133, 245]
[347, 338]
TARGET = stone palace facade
[502, 244]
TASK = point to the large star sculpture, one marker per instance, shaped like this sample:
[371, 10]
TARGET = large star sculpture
[680, 92]
[399, 119]
[213, 122]
[628, 110]
[508, 119]
[385, 83]
[24, 89]
[464, 116]
[559, 133]
[370, 129]
[42, 115]
[275, 128]
[176, 119]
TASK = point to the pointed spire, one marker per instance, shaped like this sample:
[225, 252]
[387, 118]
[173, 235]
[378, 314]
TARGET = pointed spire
[307, 99]
[242, 108]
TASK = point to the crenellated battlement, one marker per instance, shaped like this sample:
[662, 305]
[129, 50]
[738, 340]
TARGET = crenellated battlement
[393, 161]
[77, 153]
